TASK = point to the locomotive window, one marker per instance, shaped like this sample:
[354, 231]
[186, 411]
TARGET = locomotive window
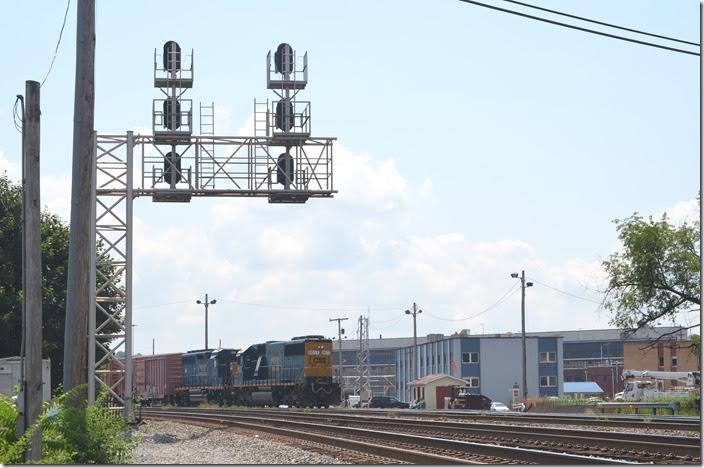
[295, 349]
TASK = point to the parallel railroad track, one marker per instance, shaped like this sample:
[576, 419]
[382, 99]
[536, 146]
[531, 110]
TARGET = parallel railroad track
[422, 445]
[677, 423]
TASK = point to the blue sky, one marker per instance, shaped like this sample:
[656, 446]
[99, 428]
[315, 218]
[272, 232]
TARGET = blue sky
[471, 144]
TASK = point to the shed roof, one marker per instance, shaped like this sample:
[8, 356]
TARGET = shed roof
[433, 377]
[581, 387]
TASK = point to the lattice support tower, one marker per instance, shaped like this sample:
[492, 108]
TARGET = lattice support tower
[362, 385]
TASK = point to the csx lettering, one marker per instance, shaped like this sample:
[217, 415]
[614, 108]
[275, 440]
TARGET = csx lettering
[319, 360]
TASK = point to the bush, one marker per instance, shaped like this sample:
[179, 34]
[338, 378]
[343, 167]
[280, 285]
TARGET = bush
[84, 435]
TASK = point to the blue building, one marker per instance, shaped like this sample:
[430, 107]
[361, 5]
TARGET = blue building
[490, 364]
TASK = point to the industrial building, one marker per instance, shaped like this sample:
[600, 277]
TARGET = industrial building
[491, 365]
[580, 356]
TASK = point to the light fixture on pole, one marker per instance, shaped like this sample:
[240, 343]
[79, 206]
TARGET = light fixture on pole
[415, 312]
[524, 285]
[340, 331]
[206, 303]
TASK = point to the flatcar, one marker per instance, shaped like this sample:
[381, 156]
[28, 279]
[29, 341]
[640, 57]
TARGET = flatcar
[297, 372]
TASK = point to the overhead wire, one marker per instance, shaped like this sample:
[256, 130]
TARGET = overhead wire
[56, 50]
[602, 23]
[579, 28]
[498, 302]
[565, 292]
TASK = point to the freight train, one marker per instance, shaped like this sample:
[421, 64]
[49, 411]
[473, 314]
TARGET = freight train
[297, 373]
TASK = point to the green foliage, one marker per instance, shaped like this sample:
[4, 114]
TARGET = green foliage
[54, 238]
[656, 276]
[83, 435]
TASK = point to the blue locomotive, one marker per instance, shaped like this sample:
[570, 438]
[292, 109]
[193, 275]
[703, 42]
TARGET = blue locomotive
[296, 373]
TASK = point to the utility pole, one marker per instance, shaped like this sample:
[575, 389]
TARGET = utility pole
[33, 267]
[340, 331]
[415, 312]
[78, 288]
[524, 285]
[206, 304]
[152, 346]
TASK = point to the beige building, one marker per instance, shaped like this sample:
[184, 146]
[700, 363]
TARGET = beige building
[434, 388]
[675, 356]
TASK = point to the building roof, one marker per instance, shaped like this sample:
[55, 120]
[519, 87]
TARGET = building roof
[581, 387]
[433, 377]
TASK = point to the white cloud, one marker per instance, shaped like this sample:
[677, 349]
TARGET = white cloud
[13, 170]
[223, 119]
[426, 189]
[685, 211]
[363, 181]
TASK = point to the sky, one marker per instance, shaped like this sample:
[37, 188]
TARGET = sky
[471, 144]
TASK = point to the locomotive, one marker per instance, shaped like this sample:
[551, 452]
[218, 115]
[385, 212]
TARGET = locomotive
[296, 373]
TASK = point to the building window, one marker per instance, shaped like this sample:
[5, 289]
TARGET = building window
[470, 358]
[473, 382]
[548, 356]
[661, 361]
[548, 381]
[674, 361]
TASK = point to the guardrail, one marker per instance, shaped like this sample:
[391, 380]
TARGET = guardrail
[637, 405]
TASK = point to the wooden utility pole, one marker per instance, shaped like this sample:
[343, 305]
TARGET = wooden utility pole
[33, 267]
[78, 292]
[414, 312]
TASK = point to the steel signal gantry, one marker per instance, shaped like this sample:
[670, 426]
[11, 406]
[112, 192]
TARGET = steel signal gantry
[281, 161]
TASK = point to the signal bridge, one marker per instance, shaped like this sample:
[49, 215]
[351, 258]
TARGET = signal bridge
[281, 162]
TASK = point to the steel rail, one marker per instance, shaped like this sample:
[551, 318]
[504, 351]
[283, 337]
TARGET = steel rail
[300, 429]
[665, 444]
[666, 423]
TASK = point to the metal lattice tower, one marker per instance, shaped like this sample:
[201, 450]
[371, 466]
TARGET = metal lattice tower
[172, 165]
[362, 385]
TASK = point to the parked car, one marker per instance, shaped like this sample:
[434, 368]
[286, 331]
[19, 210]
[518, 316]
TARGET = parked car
[498, 406]
[386, 402]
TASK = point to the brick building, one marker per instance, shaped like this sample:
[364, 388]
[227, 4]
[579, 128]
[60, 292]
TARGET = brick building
[675, 356]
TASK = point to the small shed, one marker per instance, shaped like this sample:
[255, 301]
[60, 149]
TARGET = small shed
[433, 389]
[581, 390]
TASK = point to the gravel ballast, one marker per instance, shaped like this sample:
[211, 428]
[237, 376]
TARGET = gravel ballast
[165, 442]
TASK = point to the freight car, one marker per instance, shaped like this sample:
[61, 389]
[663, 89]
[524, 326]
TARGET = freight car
[297, 373]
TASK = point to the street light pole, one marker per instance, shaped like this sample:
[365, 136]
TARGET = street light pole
[340, 331]
[206, 303]
[524, 285]
[415, 312]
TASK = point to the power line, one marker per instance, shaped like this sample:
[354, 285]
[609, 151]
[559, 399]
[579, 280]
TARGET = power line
[511, 291]
[613, 36]
[160, 305]
[565, 292]
[56, 50]
[645, 33]
[322, 309]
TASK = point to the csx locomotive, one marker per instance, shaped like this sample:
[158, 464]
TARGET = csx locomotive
[294, 373]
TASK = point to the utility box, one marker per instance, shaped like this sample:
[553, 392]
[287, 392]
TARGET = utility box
[10, 371]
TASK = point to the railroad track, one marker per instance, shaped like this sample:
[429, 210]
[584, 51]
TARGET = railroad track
[678, 423]
[424, 446]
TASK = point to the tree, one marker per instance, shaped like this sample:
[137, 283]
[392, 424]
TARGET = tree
[656, 275]
[55, 235]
